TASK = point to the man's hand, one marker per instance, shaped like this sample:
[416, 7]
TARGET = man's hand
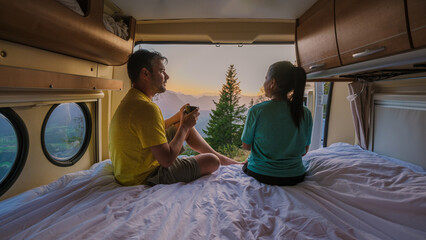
[176, 118]
[188, 120]
[182, 109]
[166, 153]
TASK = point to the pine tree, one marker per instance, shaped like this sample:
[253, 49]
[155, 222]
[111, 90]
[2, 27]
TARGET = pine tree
[227, 120]
[261, 96]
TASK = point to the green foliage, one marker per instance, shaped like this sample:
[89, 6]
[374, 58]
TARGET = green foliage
[189, 151]
[326, 92]
[227, 120]
[234, 152]
[326, 88]
[251, 103]
[260, 96]
[229, 150]
[64, 140]
[8, 151]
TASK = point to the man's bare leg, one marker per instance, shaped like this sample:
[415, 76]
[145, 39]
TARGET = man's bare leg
[208, 163]
[197, 143]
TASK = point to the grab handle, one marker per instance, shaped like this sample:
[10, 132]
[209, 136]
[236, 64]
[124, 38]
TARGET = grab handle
[316, 66]
[368, 52]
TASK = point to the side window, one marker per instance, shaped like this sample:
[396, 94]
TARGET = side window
[13, 147]
[323, 92]
[66, 133]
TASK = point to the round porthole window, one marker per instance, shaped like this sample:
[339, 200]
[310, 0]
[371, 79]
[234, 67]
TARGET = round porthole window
[13, 147]
[66, 133]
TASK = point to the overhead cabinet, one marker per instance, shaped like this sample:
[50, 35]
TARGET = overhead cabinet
[49, 25]
[316, 39]
[368, 29]
[335, 33]
[417, 18]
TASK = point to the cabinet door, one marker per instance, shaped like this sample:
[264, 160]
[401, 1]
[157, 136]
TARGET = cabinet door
[51, 26]
[417, 19]
[316, 39]
[369, 29]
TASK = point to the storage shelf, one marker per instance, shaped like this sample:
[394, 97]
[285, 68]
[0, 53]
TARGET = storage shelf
[49, 25]
[23, 78]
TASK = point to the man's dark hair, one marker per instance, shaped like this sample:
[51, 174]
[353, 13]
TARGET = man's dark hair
[141, 59]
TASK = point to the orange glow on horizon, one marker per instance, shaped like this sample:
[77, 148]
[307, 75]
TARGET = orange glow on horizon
[201, 69]
[194, 92]
[200, 89]
[200, 92]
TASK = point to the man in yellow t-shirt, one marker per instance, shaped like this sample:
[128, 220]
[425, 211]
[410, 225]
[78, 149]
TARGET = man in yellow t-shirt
[143, 146]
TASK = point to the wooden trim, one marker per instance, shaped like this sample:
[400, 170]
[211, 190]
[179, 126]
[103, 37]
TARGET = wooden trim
[219, 31]
[41, 97]
[22, 78]
[331, 80]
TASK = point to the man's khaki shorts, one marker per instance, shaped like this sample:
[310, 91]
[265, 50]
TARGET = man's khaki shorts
[182, 170]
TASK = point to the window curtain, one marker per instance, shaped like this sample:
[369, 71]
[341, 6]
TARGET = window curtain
[360, 97]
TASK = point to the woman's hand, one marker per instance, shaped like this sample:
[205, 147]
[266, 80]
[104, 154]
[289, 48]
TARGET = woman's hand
[247, 146]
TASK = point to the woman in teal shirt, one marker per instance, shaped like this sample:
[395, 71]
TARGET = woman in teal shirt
[278, 131]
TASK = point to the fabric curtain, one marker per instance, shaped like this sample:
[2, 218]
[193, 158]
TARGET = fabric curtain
[360, 96]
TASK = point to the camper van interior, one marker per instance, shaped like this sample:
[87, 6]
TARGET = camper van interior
[63, 74]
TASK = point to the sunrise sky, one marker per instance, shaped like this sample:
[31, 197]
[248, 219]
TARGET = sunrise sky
[201, 69]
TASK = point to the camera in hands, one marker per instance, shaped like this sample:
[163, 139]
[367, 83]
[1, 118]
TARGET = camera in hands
[189, 109]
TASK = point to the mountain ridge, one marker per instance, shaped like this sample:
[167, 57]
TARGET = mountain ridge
[170, 102]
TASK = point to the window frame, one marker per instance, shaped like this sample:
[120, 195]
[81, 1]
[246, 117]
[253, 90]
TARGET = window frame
[327, 114]
[23, 147]
[84, 146]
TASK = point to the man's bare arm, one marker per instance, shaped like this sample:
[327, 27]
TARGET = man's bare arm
[166, 153]
[175, 118]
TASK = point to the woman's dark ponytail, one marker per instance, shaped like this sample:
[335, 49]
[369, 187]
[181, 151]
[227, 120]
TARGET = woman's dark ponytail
[291, 83]
[296, 102]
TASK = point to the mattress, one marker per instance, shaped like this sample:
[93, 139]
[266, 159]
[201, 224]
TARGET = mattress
[348, 193]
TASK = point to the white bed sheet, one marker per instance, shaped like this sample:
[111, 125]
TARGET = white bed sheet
[348, 193]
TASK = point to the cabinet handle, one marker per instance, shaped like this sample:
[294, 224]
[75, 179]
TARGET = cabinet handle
[316, 66]
[368, 52]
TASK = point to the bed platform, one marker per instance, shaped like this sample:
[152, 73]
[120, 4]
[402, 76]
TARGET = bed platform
[349, 193]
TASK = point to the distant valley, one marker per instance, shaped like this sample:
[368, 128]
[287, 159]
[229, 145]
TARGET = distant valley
[170, 102]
